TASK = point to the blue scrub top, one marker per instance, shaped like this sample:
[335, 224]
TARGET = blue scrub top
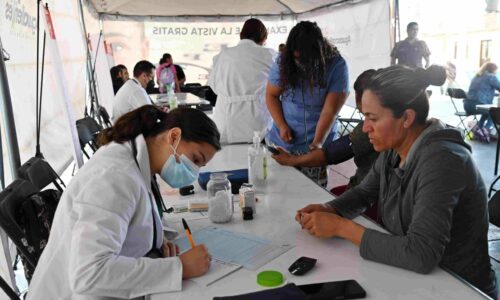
[302, 106]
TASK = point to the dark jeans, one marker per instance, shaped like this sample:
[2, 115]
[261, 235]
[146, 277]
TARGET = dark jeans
[470, 108]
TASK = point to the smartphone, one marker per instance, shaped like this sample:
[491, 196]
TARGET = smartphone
[273, 150]
[334, 290]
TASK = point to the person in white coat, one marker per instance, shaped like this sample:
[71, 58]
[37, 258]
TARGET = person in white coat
[238, 77]
[132, 93]
[106, 240]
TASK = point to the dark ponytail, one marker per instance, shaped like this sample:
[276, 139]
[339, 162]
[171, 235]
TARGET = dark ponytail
[400, 88]
[150, 121]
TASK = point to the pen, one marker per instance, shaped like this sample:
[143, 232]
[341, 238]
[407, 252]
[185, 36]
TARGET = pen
[188, 233]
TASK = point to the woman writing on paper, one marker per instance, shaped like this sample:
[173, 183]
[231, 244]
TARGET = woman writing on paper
[430, 194]
[107, 239]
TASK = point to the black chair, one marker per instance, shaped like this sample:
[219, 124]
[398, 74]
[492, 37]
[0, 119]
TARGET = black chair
[88, 129]
[495, 117]
[494, 209]
[461, 114]
[105, 116]
[8, 290]
[11, 200]
[38, 171]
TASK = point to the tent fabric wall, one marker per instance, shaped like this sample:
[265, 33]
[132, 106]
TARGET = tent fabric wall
[360, 31]
[18, 33]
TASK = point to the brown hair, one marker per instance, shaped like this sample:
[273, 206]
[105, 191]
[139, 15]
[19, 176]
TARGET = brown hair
[254, 30]
[150, 121]
[487, 67]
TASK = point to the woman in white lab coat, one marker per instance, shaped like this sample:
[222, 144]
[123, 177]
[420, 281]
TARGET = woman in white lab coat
[107, 228]
[238, 77]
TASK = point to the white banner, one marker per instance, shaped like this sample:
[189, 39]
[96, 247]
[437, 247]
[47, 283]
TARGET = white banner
[361, 32]
[61, 79]
[191, 44]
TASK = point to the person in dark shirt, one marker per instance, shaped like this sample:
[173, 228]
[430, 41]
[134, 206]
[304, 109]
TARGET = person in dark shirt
[356, 144]
[181, 77]
[119, 74]
[410, 51]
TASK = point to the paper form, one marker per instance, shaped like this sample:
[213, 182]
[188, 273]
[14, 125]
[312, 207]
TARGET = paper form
[218, 270]
[243, 249]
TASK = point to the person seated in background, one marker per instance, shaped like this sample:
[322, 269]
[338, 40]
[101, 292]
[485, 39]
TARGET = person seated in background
[238, 77]
[133, 94]
[166, 75]
[356, 144]
[307, 86]
[431, 197]
[482, 91]
[119, 75]
[281, 48]
[107, 240]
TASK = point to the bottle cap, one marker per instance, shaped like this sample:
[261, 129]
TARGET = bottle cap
[270, 278]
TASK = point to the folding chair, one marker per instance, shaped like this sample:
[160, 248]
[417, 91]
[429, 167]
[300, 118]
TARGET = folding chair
[8, 290]
[38, 171]
[495, 116]
[348, 124]
[105, 116]
[11, 200]
[462, 115]
[88, 129]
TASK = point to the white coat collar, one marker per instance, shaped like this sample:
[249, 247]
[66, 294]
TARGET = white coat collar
[248, 42]
[143, 160]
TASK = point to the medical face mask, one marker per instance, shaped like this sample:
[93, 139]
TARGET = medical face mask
[179, 174]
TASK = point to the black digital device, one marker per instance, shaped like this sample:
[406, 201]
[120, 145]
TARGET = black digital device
[186, 190]
[273, 150]
[302, 265]
[334, 290]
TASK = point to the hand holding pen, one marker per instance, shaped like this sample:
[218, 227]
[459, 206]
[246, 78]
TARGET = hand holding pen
[195, 261]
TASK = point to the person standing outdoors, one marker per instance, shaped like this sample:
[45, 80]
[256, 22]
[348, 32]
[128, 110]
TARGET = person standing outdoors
[410, 51]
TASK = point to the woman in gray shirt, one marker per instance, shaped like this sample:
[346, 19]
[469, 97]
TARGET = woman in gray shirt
[431, 197]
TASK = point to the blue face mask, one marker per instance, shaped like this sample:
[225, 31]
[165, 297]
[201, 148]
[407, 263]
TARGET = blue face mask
[179, 174]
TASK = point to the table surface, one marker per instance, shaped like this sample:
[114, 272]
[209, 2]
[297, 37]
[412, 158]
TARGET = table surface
[182, 98]
[338, 259]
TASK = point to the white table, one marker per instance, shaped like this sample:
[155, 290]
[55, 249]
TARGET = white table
[337, 259]
[182, 99]
[485, 107]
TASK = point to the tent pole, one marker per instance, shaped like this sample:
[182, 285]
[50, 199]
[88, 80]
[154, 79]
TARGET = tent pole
[90, 70]
[12, 149]
[8, 116]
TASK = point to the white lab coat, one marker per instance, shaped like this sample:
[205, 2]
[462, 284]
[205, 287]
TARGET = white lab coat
[129, 97]
[102, 229]
[238, 77]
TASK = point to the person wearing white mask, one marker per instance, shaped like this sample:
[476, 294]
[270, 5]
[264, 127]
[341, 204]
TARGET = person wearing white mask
[132, 94]
[238, 77]
[106, 240]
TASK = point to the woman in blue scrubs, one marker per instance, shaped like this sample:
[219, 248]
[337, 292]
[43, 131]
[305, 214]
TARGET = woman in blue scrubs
[307, 87]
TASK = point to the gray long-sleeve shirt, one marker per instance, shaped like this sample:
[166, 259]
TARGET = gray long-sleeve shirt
[434, 206]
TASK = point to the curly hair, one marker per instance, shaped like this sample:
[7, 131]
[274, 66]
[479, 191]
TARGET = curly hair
[305, 57]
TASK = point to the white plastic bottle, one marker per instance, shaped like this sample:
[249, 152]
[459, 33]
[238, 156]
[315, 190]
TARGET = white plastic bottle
[257, 164]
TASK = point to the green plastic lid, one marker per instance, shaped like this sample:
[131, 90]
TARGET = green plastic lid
[270, 278]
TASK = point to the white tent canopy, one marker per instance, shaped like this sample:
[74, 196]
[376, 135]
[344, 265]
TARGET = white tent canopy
[171, 8]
